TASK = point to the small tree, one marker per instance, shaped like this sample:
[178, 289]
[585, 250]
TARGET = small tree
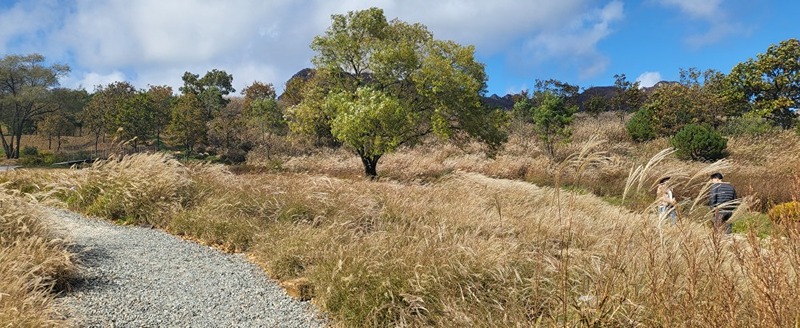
[699, 143]
[226, 131]
[627, 96]
[641, 126]
[54, 125]
[211, 90]
[187, 126]
[134, 119]
[551, 120]
[102, 113]
[161, 98]
[364, 59]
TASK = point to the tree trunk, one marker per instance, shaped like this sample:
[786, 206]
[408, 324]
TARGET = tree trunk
[19, 140]
[6, 148]
[370, 165]
[188, 151]
[49, 141]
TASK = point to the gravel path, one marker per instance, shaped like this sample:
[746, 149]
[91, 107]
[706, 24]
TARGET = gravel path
[138, 277]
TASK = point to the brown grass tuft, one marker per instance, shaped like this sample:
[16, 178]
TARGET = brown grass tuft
[32, 263]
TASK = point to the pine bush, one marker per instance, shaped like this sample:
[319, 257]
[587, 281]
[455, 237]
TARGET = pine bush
[641, 126]
[699, 143]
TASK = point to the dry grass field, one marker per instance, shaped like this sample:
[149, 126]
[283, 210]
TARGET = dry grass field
[449, 237]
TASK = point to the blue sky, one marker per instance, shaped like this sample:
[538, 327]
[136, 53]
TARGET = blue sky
[152, 42]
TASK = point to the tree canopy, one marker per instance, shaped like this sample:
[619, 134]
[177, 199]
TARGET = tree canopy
[769, 85]
[398, 81]
[25, 86]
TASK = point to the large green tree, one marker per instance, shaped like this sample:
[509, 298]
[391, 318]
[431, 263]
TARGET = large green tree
[695, 99]
[25, 86]
[390, 83]
[769, 85]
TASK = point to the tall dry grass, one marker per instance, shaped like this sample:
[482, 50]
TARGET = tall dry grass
[465, 249]
[138, 189]
[764, 165]
[32, 263]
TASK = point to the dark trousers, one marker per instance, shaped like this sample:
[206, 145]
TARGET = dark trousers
[721, 223]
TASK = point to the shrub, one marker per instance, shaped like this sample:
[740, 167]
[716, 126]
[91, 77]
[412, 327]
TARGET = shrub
[641, 126]
[747, 126]
[785, 212]
[700, 143]
[29, 151]
[30, 156]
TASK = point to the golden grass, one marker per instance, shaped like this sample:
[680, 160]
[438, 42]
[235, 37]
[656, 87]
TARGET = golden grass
[32, 263]
[761, 166]
[449, 237]
[465, 249]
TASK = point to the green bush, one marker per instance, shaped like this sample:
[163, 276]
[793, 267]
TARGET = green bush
[699, 143]
[29, 151]
[747, 126]
[641, 126]
[30, 156]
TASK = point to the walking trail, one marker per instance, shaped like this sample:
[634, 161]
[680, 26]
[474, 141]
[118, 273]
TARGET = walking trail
[139, 277]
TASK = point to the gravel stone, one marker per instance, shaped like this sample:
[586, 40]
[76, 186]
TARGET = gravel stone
[140, 277]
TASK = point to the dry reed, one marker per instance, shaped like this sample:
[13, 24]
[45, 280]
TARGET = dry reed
[32, 263]
[438, 242]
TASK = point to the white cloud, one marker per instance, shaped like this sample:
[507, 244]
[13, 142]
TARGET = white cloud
[577, 46]
[155, 41]
[715, 33]
[710, 12]
[22, 22]
[648, 79]
[701, 9]
[89, 81]
[251, 39]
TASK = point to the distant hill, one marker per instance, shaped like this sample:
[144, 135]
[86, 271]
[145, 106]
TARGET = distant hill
[495, 101]
[606, 92]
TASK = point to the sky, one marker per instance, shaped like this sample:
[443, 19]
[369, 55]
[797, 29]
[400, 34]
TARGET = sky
[581, 42]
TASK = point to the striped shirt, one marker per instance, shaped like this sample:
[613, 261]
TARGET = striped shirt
[720, 193]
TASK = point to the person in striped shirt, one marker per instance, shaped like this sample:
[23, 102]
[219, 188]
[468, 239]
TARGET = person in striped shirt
[721, 197]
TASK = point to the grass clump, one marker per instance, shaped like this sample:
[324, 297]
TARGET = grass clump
[32, 264]
[135, 189]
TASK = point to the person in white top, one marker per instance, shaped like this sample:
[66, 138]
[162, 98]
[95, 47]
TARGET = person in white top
[666, 201]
